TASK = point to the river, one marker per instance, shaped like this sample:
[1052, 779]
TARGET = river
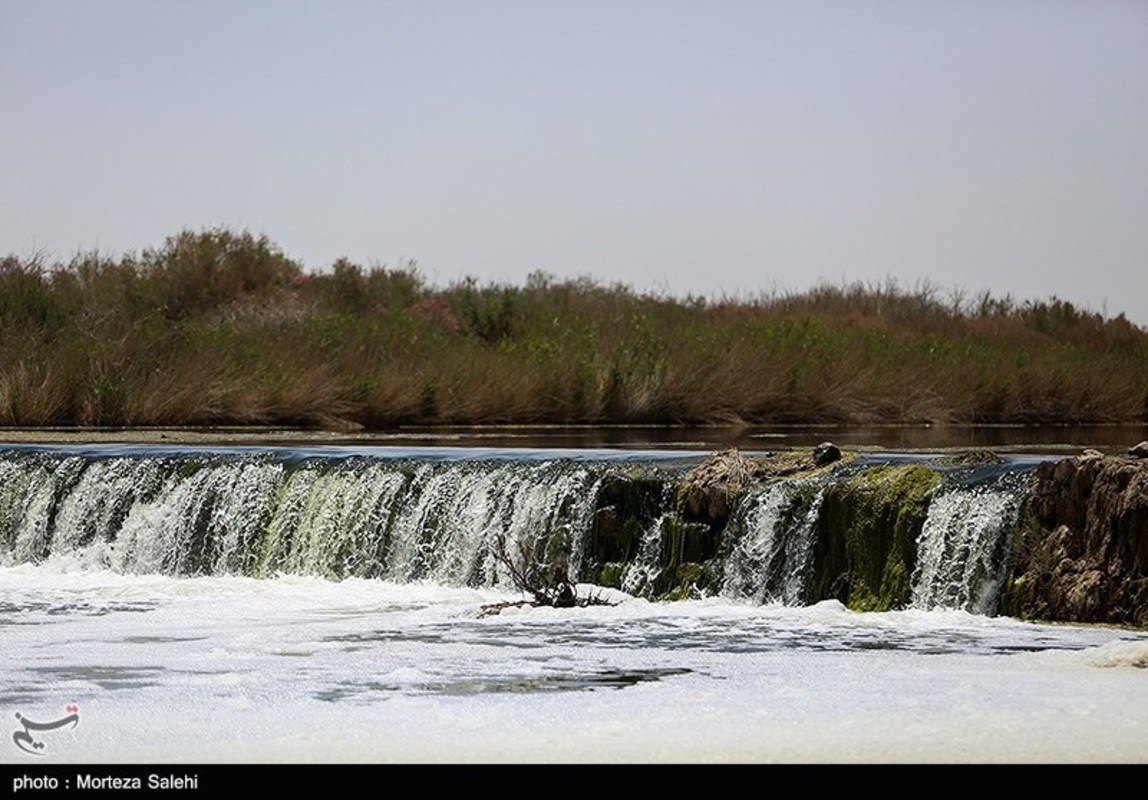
[328, 604]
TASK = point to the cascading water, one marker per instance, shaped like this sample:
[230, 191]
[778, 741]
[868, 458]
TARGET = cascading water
[773, 533]
[651, 553]
[438, 519]
[256, 515]
[963, 550]
[233, 605]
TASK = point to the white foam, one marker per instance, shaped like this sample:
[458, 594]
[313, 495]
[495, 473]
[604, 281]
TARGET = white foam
[303, 669]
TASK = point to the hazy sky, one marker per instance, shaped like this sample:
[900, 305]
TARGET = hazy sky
[710, 146]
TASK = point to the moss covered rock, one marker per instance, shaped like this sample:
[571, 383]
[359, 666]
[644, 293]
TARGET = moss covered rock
[867, 536]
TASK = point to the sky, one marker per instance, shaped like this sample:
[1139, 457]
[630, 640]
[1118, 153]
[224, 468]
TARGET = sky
[719, 147]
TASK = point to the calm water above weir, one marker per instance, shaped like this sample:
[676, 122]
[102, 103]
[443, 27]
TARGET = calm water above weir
[1040, 439]
[1014, 438]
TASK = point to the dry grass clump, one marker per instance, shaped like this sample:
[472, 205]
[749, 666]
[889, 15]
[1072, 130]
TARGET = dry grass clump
[218, 327]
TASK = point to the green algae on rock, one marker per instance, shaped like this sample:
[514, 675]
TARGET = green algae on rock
[867, 535]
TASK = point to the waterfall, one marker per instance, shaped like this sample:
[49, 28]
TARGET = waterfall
[257, 515]
[413, 517]
[964, 547]
[773, 531]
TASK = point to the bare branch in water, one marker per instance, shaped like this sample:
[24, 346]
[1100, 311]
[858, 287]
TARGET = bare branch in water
[547, 584]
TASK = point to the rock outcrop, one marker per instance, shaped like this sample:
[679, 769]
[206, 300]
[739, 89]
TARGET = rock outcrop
[709, 492]
[1079, 553]
[1082, 553]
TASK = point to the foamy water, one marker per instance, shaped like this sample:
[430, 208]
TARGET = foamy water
[294, 668]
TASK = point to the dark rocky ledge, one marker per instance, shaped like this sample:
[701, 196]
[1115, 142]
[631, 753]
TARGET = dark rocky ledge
[1082, 552]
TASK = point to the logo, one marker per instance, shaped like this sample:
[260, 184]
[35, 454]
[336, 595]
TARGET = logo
[27, 742]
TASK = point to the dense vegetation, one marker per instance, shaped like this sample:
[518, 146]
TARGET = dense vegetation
[219, 327]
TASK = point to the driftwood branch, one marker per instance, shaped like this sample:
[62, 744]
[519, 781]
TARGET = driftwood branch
[547, 584]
